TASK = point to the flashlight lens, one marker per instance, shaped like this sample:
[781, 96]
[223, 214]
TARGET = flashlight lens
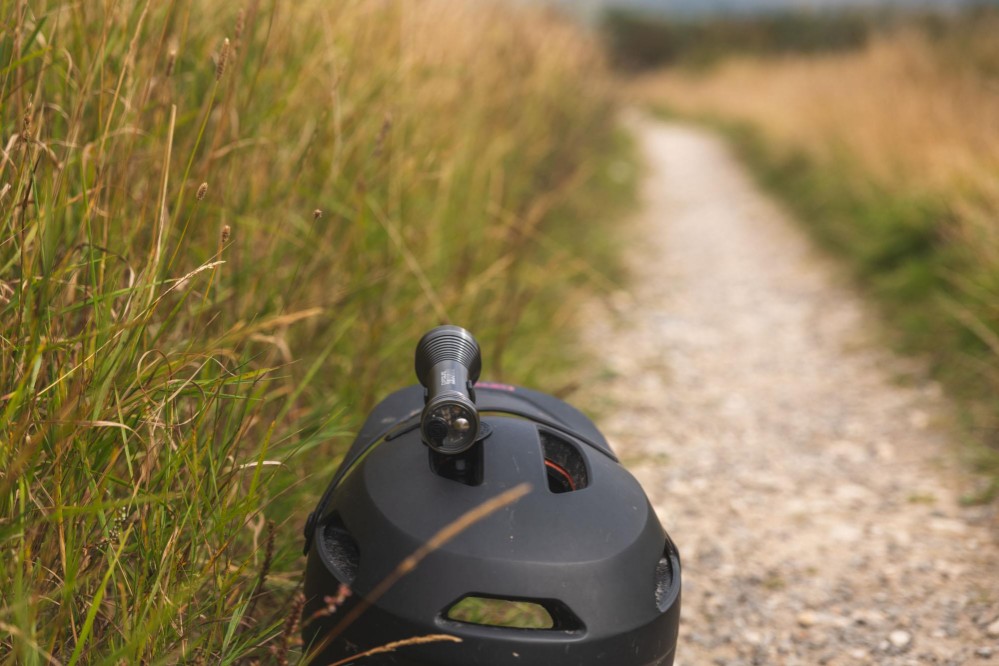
[449, 428]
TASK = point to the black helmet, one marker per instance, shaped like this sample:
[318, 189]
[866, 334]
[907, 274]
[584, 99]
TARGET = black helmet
[583, 547]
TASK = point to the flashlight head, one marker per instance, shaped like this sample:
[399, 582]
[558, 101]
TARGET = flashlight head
[448, 362]
[450, 424]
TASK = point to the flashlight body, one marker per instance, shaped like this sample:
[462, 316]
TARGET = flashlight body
[448, 363]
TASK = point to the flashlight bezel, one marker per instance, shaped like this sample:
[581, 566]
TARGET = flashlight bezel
[432, 416]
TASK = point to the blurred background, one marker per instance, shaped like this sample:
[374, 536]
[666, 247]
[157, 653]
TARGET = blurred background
[877, 123]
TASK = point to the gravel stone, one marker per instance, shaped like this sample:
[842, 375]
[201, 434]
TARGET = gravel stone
[808, 475]
[807, 619]
[900, 639]
[993, 629]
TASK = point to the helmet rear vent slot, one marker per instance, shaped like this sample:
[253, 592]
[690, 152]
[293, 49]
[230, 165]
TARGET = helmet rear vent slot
[565, 467]
[664, 580]
[340, 548]
[524, 614]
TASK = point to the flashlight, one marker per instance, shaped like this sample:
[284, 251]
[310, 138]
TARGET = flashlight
[448, 362]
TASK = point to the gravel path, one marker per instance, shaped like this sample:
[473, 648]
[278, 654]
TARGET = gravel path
[807, 475]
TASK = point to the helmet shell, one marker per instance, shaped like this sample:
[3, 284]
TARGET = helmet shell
[594, 555]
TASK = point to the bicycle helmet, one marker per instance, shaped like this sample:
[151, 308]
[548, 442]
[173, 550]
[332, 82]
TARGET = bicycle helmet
[582, 549]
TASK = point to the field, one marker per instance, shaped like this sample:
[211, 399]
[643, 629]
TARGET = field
[224, 228]
[890, 154]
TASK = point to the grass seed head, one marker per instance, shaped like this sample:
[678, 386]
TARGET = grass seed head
[383, 134]
[240, 24]
[26, 123]
[223, 57]
[202, 191]
[290, 630]
[226, 233]
[317, 214]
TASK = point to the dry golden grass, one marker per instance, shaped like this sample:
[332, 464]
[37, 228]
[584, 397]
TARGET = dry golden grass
[891, 153]
[223, 229]
[906, 116]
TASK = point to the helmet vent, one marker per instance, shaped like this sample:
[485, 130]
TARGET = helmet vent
[340, 548]
[664, 582]
[565, 467]
[533, 614]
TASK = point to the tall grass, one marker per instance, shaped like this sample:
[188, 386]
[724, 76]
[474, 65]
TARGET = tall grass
[223, 228]
[891, 155]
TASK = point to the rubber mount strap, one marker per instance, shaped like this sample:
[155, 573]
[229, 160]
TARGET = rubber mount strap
[412, 422]
[310, 523]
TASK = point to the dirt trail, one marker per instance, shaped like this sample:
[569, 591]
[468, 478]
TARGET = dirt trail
[813, 493]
